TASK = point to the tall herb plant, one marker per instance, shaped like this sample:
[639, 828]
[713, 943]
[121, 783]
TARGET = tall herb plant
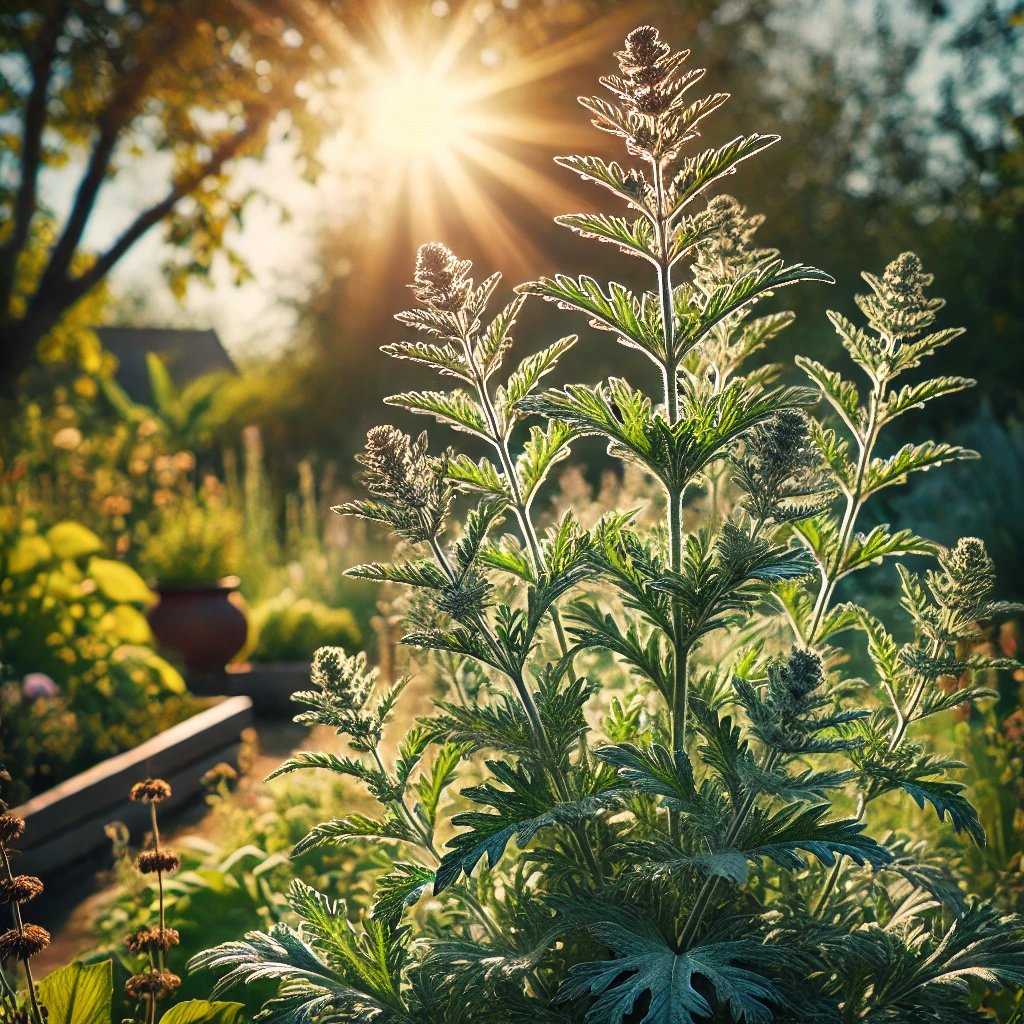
[699, 863]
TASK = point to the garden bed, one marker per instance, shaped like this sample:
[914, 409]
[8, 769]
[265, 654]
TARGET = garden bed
[269, 686]
[67, 823]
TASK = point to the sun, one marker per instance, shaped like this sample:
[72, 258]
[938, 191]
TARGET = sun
[441, 125]
[414, 115]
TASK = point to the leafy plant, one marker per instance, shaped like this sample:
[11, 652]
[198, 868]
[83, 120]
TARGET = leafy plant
[84, 680]
[696, 864]
[197, 543]
[290, 629]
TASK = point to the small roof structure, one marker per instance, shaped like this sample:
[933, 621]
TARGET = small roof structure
[188, 354]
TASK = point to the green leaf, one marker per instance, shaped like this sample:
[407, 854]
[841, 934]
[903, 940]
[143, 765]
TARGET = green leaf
[202, 1011]
[645, 964]
[72, 540]
[635, 238]
[456, 408]
[355, 826]
[910, 458]
[443, 358]
[525, 808]
[119, 582]
[949, 799]
[879, 543]
[913, 396]
[841, 394]
[698, 313]
[495, 341]
[165, 394]
[398, 889]
[526, 377]
[635, 321]
[413, 574]
[544, 449]
[629, 185]
[796, 827]
[697, 173]
[79, 993]
[482, 476]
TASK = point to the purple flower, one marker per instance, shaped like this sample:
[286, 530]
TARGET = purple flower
[39, 684]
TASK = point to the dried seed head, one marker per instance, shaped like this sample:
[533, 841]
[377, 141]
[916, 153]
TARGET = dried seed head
[25, 943]
[152, 791]
[147, 940]
[150, 861]
[155, 983]
[441, 280]
[11, 827]
[19, 889]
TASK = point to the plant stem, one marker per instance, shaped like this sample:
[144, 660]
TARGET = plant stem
[710, 885]
[159, 881]
[20, 925]
[854, 504]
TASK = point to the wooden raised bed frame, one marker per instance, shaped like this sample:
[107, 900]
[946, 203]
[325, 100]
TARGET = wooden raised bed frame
[66, 824]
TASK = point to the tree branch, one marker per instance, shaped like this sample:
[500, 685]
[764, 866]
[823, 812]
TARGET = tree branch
[118, 113]
[72, 289]
[31, 152]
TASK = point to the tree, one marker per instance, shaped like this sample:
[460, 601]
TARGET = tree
[191, 86]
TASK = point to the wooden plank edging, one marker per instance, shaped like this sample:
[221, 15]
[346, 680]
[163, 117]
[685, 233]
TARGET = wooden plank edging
[67, 822]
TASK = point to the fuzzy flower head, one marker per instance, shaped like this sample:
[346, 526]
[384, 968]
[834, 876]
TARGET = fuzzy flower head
[158, 984]
[151, 791]
[967, 577]
[151, 861]
[412, 493]
[441, 280]
[729, 252]
[346, 679]
[20, 889]
[149, 940]
[780, 470]
[21, 945]
[11, 827]
[649, 84]
[898, 308]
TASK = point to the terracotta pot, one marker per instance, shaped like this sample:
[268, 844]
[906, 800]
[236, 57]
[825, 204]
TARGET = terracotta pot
[201, 623]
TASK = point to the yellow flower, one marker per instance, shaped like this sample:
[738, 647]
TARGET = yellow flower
[67, 655]
[86, 387]
[55, 640]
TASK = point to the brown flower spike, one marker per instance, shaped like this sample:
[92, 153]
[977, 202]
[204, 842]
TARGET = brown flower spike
[152, 791]
[155, 983]
[11, 827]
[25, 943]
[150, 861]
[19, 889]
[148, 940]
